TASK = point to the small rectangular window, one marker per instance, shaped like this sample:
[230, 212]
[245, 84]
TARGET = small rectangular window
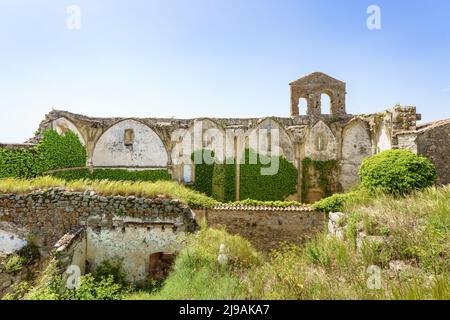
[128, 137]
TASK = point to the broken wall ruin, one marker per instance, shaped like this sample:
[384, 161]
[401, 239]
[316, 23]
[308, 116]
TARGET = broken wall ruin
[146, 143]
[86, 228]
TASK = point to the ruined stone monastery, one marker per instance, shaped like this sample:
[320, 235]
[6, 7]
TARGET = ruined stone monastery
[146, 143]
[84, 229]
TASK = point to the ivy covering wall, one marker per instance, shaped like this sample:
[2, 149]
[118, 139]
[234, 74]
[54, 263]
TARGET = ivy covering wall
[256, 186]
[324, 169]
[53, 152]
[114, 175]
[224, 182]
[203, 172]
[219, 180]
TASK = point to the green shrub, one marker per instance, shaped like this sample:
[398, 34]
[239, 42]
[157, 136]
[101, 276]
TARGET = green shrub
[334, 203]
[114, 175]
[143, 189]
[14, 263]
[70, 175]
[224, 182]
[111, 268]
[397, 172]
[92, 289]
[256, 186]
[218, 181]
[18, 163]
[21, 258]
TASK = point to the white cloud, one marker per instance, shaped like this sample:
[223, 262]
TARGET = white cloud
[447, 89]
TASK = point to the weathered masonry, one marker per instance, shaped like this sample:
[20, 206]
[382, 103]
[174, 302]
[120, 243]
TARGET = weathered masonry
[86, 229]
[317, 132]
[266, 227]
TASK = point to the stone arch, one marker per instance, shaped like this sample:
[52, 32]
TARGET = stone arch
[146, 150]
[302, 105]
[321, 143]
[326, 105]
[356, 145]
[62, 125]
[207, 136]
[190, 141]
[311, 87]
[285, 145]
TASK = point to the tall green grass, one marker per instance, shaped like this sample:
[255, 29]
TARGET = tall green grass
[416, 233]
[198, 275]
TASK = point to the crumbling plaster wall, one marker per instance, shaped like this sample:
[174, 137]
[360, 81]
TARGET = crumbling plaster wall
[147, 149]
[49, 214]
[356, 145]
[132, 241]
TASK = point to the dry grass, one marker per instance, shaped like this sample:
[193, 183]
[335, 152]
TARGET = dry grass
[105, 187]
[416, 233]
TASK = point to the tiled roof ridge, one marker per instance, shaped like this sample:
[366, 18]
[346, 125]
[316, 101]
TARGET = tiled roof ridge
[245, 207]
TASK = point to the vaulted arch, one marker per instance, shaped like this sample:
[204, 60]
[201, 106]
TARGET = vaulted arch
[62, 125]
[279, 138]
[321, 143]
[130, 143]
[356, 145]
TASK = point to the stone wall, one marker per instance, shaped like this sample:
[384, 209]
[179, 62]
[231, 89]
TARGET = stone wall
[266, 227]
[147, 142]
[433, 141]
[85, 229]
[51, 213]
[131, 240]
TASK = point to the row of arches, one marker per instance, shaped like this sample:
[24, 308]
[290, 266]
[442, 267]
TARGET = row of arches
[131, 143]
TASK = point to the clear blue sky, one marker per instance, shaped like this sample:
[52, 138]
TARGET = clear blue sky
[219, 58]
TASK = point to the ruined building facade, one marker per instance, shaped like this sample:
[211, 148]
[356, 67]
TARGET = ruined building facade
[146, 143]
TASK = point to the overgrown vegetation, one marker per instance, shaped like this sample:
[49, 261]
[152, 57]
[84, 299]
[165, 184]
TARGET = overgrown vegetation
[325, 170]
[275, 187]
[198, 274]
[219, 180]
[338, 201]
[413, 260]
[389, 226]
[53, 152]
[105, 187]
[280, 204]
[22, 258]
[203, 171]
[106, 283]
[397, 172]
[114, 175]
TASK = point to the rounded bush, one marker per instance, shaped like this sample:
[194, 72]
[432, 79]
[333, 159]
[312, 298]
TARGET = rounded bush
[397, 172]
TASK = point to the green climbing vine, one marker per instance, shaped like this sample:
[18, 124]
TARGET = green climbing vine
[325, 170]
[53, 152]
